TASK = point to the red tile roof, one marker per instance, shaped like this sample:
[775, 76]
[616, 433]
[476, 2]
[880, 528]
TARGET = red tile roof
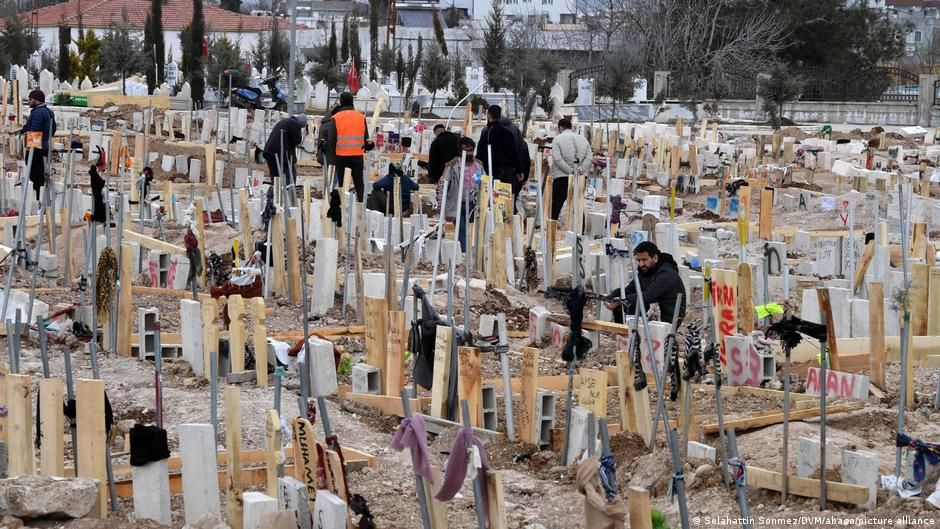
[177, 14]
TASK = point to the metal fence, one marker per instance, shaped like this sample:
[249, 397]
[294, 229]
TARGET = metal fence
[883, 84]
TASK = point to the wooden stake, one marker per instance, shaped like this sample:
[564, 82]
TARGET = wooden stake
[442, 353]
[744, 202]
[233, 462]
[237, 334]
[863, 264]
[306, 458]
[920, 275]
[201, 228]
[210, 165]
[496, 499]
[640, 511]
[437, 510]
[640, 399]
[745, 298]
[376, 317]
[496, 264]
[919, 244]
[592, 391]
[244, 224]
[210, 331]
[547, 201]
[125, 302]
[766, 214]
[89, 401]
[933, 303]
[525, 423]
[279, 280]
[51, 427]
[275, 458]
[258, 316]
[395, 351]
[625, 400]
[825, 306]
[293, 260]
[876, 329]
[550, 249]
[20, 424]
[468, 383]
[335, 466]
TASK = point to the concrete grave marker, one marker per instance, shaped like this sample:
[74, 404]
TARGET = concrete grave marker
[838, 384]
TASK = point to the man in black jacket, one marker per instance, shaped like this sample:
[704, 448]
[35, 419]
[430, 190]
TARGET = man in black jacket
[443, 149]
[660, 281]
[510, 161]
[283, 141]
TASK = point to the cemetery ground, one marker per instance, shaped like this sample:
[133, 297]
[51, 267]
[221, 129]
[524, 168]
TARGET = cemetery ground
[539, 491]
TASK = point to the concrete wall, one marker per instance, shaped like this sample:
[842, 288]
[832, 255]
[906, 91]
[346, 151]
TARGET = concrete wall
[823, 112]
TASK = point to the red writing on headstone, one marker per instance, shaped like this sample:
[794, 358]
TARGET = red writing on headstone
[838, 384]
[745, 367]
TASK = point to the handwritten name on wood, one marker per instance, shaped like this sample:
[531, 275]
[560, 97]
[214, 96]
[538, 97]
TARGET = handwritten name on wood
[592, 392]
[530, 373]
[838, 384]
[724, 301]
[305, 457]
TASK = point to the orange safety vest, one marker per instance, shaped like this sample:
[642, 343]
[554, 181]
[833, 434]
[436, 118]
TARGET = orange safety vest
[350, 133]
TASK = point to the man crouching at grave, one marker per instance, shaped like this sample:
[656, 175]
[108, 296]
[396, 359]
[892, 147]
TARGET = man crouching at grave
[660, 281]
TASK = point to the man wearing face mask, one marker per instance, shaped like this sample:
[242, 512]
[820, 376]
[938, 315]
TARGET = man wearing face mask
[472, 167]
[660, 281]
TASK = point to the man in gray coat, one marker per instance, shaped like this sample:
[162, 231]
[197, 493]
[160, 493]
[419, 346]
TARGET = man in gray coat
[570, 153]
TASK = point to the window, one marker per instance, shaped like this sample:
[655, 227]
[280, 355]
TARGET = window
[918, 37]
[567, 18]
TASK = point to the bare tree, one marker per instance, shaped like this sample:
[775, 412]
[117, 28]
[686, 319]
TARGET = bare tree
[712, 47]
[600, 20]
[927, 54]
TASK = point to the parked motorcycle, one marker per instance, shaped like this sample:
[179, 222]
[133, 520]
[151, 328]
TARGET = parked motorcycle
[254, 98]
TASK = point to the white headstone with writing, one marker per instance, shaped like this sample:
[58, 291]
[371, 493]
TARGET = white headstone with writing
[172, 74]
[86, 84]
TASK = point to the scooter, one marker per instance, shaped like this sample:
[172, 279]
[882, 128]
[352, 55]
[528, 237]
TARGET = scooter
[253, 98]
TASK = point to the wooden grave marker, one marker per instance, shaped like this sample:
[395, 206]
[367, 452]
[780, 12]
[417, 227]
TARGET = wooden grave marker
[260, 340]
[395, 350]
[52, 427]
[233, 463]
[469, 386]
[525, 423]
[442, 367]
[376, 319]
[91, 438]
[592, 391]
[237, 333]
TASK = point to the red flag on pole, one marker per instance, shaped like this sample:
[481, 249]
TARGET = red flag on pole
[205, 47]
[352, 78]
